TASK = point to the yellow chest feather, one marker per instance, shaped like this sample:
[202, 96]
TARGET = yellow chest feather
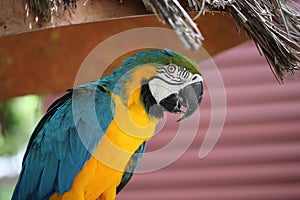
[102, 173]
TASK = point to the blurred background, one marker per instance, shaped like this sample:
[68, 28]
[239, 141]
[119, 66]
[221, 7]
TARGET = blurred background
[257, 156]
[18, 118]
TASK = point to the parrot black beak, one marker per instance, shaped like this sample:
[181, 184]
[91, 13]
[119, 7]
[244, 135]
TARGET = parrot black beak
[189, 97]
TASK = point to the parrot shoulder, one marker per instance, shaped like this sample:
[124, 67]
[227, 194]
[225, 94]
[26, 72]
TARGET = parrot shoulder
[59, 147]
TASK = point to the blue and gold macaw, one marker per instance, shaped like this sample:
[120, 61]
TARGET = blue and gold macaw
[91, 140]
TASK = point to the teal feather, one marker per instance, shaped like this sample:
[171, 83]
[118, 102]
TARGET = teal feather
[50, 170]
[72, 128]
[56, 153]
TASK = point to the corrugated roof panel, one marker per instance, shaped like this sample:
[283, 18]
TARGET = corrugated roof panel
[258, 153]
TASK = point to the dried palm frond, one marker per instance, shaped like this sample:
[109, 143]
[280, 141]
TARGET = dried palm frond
[177, 17]
[272, 24]
[274, 27]
[44, 9]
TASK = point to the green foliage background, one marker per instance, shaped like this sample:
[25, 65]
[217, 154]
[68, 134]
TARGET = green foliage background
[18, 117]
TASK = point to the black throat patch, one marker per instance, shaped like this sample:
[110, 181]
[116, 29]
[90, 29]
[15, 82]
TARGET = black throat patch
[149, 101]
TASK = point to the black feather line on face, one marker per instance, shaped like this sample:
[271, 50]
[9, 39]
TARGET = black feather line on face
[151, 106]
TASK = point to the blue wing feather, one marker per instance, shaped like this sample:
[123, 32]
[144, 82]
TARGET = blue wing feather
[132, 166]
[46, 184]
[63, 141]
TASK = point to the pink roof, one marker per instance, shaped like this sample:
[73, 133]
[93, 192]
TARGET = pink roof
[258, 153]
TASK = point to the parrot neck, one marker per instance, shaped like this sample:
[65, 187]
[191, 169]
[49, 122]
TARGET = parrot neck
[132, 118]
[135, 106]
[135, 83]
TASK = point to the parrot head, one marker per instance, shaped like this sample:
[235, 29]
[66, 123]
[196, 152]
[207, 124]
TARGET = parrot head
[177, 90]
[176, 86]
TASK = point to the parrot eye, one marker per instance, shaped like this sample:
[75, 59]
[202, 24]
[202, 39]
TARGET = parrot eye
[171, 69]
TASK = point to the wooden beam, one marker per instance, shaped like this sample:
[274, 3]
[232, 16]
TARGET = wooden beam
[15, 19]
[46, 61]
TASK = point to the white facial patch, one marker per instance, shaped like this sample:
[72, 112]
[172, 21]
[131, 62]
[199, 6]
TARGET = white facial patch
[171, 79]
